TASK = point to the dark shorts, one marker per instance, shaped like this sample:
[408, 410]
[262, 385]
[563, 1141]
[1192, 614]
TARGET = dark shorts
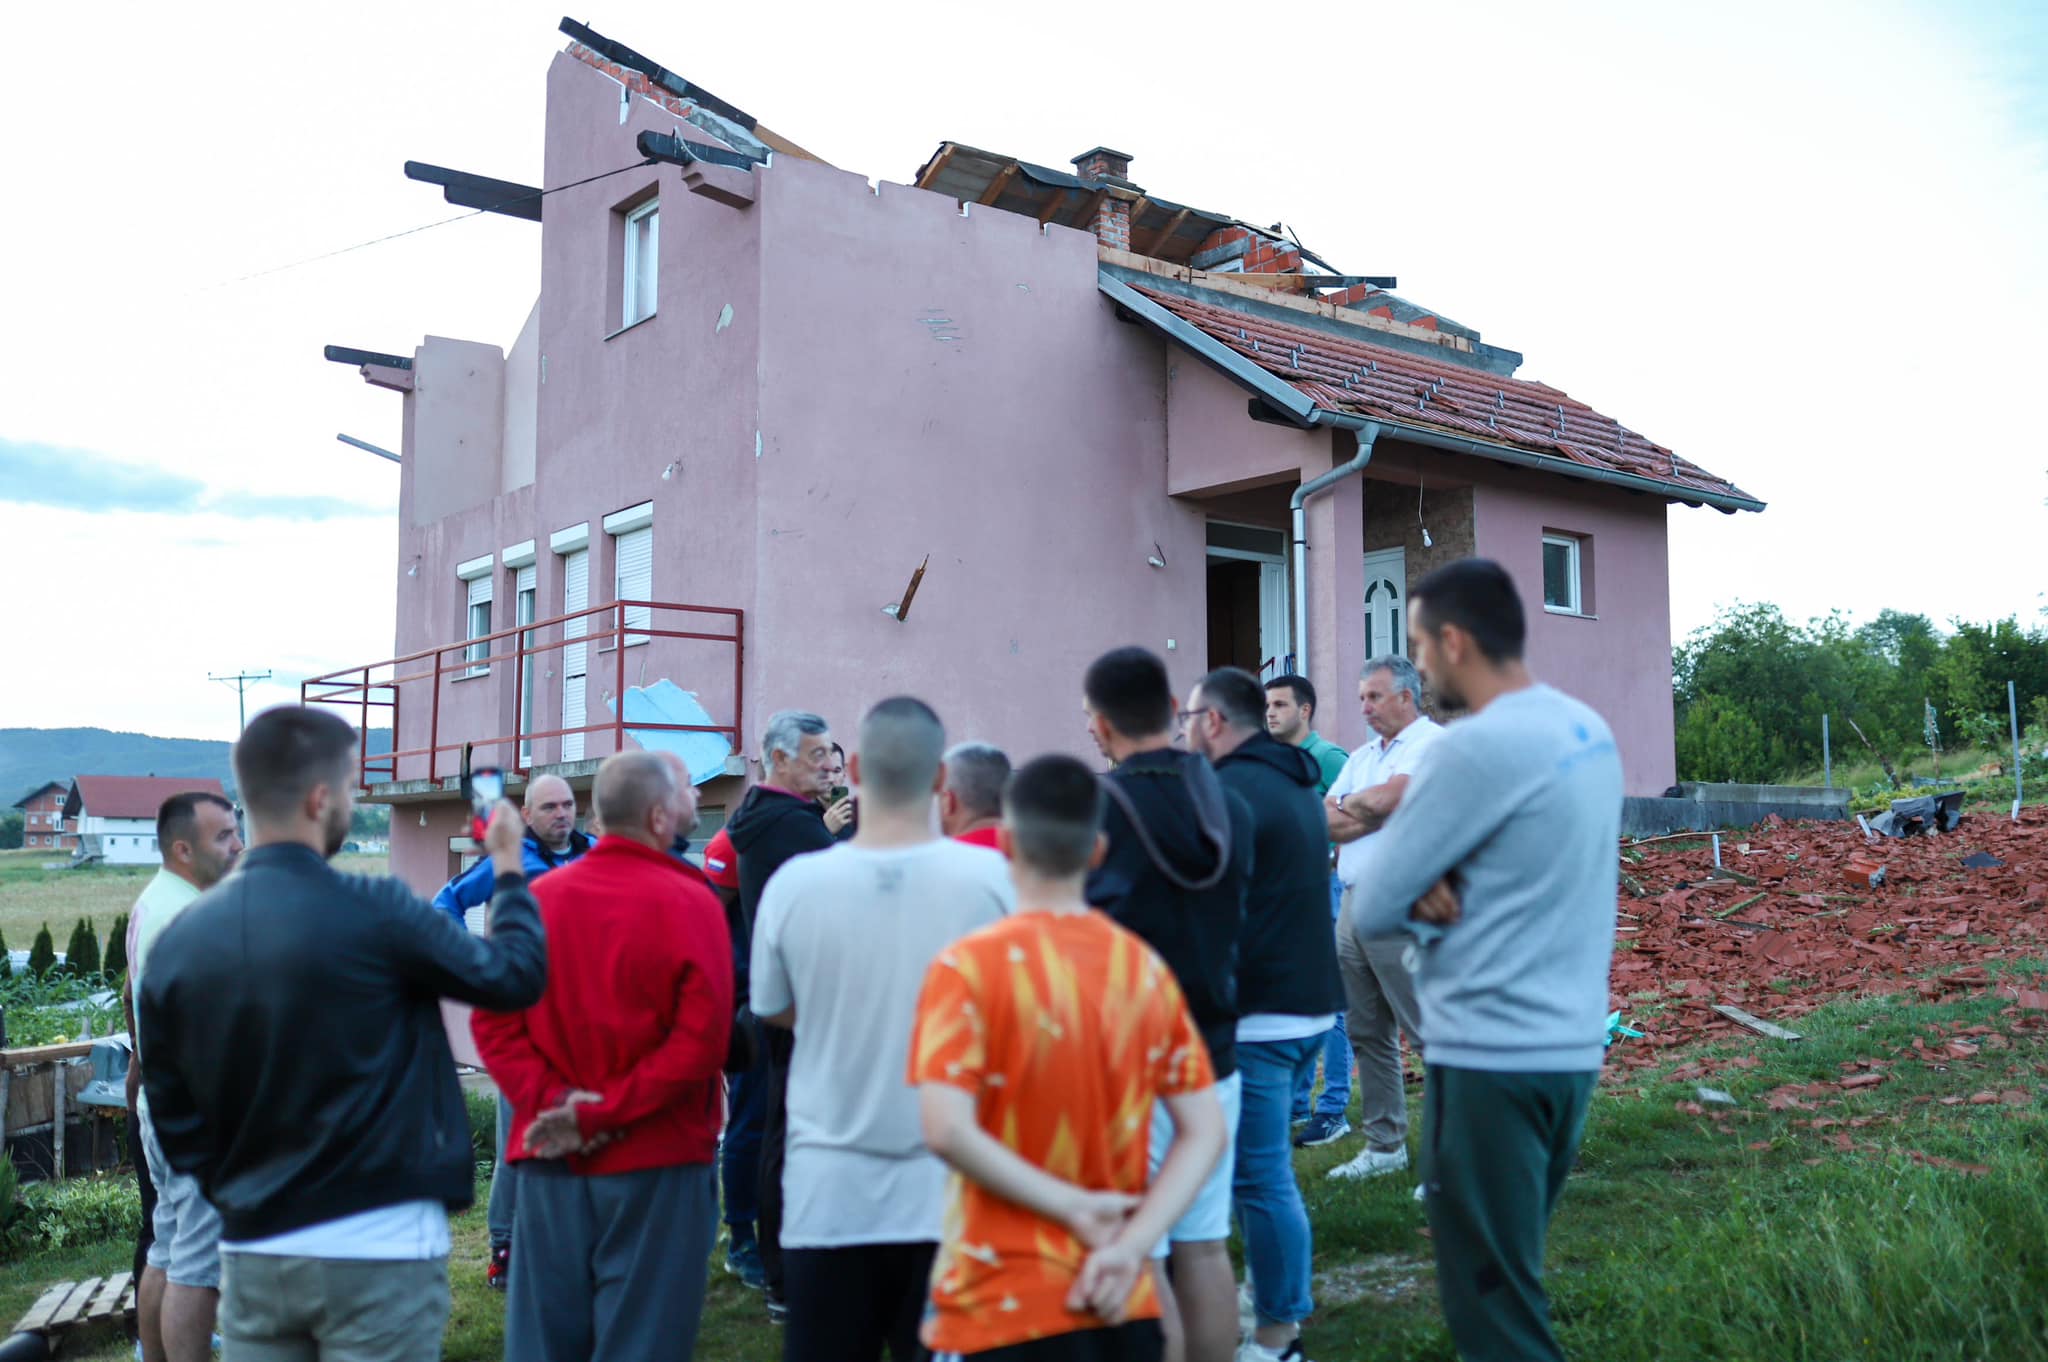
[1138, 1341]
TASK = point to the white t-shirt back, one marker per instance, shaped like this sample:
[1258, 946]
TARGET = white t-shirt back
[1376, 763]
[845, 936]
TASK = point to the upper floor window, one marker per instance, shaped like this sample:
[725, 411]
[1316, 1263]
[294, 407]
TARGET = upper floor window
[475, 576]
[1563, 585]
[643, 258]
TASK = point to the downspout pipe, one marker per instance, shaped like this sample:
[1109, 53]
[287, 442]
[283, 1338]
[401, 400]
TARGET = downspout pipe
[1368, 433]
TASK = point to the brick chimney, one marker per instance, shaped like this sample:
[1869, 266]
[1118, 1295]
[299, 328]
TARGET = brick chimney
[1102, 163]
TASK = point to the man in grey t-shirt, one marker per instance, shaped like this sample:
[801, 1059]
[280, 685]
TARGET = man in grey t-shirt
[841, 947]
[1501, 860]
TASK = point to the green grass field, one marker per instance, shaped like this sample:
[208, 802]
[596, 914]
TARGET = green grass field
[1898, 1220]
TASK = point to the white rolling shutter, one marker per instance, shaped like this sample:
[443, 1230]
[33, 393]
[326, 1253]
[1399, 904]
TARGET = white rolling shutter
[575, 657]
[479, 620]
[634, 579]
[525, 587]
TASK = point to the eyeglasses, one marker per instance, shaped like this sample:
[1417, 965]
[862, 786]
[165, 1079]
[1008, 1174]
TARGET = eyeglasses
[1187, 714]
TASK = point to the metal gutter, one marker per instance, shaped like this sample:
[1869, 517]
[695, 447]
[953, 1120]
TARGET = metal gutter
[1298, 517]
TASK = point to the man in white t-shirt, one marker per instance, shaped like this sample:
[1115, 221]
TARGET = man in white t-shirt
[841, 946]
[1378, 988]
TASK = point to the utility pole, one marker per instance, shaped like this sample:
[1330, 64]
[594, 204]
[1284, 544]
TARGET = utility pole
[240, 682]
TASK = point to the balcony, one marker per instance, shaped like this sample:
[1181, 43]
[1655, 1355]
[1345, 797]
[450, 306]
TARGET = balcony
[553, 696]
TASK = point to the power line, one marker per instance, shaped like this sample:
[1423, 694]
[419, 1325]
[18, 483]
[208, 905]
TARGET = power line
[240, 682]
[427, 226]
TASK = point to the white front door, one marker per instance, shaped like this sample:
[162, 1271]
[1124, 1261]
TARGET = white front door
[575, 660]
[1275, 626]
[1386, 603]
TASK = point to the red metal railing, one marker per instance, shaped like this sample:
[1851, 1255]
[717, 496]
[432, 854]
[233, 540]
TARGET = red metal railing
[365, 689]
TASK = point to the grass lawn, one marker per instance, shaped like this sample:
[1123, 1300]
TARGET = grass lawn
[1896, 1218]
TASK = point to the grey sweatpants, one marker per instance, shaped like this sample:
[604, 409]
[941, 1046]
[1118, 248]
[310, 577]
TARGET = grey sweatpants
[1379, 996]
[609, 1267]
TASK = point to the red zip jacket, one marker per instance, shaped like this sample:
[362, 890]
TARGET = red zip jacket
[638, 1006]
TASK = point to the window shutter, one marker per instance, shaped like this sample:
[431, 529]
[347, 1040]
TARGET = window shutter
[634, 579]
[525, 580]
[575, 657]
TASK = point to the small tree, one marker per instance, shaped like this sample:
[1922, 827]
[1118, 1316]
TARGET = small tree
[6, 960]
[82, 956]
[42, 956]
[117, 950]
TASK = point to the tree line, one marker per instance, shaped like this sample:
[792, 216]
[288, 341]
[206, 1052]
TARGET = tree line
[1751, 687]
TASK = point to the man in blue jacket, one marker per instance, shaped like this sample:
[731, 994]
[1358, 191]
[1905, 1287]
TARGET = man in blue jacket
[551, 840]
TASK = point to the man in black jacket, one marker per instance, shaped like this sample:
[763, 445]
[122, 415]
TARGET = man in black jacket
[300, 1070]
[1178, 862]
[779, 818]
[1288, 989]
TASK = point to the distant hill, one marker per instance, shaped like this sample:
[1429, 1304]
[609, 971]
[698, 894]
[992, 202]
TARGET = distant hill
[30, 756]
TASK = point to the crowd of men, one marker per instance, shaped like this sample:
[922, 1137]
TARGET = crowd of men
[971, 1061]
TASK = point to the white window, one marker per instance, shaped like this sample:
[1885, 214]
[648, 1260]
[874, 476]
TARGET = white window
[476, 577]
[643, 258]
[1561, 586]
[525, 592]
[632, 532]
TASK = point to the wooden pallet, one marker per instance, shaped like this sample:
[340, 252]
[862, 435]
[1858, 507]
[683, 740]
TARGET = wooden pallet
[76, 1305]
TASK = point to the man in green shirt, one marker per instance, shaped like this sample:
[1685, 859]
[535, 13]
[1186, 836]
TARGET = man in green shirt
[1290, 714]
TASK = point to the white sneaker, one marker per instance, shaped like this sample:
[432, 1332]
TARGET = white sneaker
[1371, 1163]
[1421, 1191]
[1247, 1312]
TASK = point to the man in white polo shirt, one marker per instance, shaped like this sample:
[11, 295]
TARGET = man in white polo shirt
[1378, 989]
[179, 1293]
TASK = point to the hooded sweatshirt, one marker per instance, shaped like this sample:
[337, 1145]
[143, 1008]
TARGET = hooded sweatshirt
[1286, 952]
[1179, 860]
[768, 828]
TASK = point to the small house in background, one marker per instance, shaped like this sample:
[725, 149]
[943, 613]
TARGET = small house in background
[114, 817]
[42, 818]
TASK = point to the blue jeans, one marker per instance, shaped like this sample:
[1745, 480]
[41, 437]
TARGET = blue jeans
[739, 1155]
[1277, 1239]
[1336, 1098]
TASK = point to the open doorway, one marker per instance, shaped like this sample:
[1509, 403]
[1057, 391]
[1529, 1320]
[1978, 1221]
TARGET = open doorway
[1248, 615]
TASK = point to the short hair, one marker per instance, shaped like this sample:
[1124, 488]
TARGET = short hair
[1478, 596]
[787, 729]
[284, 753]
[178, 816]
[975, 772]
[1128, 687]
[1053, 809]
[1403, 671]
[902, 743]
[1237, 695]
[839, 752]
[628, 784]
[1304, 693]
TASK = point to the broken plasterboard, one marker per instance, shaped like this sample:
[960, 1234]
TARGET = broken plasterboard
[665, 702]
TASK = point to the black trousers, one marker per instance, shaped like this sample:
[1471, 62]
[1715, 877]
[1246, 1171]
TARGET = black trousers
[774, 1135]
[849, 1304]
[1138, 1341]
[146, 1235]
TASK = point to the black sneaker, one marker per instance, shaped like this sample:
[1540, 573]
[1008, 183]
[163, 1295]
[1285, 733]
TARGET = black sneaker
[1322, 1130]
[778, 1308]
[497, 1275]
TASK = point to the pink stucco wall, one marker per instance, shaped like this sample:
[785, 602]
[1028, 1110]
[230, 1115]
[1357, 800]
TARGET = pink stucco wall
[1618, 658]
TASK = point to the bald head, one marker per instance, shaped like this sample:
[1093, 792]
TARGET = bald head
[686, 793]
[636, 796]
[901, 746]
[550, 810]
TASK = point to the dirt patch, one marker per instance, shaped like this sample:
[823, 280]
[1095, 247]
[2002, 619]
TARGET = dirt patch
[1382, 1277]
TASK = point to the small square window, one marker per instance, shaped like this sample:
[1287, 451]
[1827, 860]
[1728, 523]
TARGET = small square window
[642, 264]
[1561, 584]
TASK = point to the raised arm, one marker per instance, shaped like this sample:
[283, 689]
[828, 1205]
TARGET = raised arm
[504, 971]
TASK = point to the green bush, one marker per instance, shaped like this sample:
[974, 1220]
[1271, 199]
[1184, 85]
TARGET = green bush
[6, 960]
[77, 1211]
[82, 956]
[36, 1011]
[117, 950]
[1717, 740]
[42, 956]
[483, 1127]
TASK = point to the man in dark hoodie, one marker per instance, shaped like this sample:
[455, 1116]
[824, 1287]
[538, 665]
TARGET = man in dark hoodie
[778, 819]
[1178, 862]
[1288, 989]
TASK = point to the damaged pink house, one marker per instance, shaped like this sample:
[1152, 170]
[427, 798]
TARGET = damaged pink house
[757, 393]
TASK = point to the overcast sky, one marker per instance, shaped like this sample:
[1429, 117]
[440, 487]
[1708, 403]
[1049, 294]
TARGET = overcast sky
[1801, 244]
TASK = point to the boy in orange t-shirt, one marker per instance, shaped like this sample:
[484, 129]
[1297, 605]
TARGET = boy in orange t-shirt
[1042, 1043]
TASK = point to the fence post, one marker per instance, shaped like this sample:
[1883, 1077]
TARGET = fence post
[2012, 706]
[59, 1100]
[1827, 754]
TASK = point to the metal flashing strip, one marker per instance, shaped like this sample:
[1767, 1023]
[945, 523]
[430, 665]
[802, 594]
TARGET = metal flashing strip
[471, 569]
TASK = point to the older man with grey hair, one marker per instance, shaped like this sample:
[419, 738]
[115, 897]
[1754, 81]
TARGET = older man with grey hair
[971, 800]
[779, 818]
[1379, 991]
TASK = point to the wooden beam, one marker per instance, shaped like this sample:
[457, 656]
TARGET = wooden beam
[998, 185]
[107, 1302]
[931, 174]
[46, 1305]
[1756, 1024]
[1053, 206]
[46, 1054]
[1165, 233]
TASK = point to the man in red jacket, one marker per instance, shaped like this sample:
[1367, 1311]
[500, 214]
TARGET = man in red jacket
[614, 1078]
